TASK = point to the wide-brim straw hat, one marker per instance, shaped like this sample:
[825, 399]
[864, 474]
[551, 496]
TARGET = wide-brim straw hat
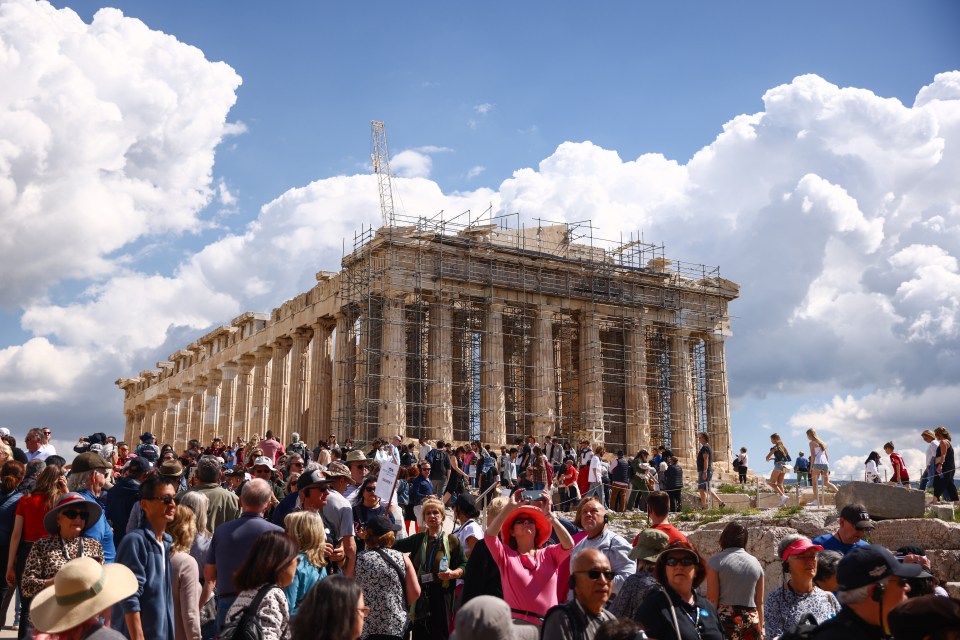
[544, 529]
[68, 501]
[80, 590]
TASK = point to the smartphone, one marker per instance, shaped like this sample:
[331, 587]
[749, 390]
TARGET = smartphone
[534, 495]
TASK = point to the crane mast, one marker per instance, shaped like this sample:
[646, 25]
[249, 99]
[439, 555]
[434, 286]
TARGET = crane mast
[381, 165]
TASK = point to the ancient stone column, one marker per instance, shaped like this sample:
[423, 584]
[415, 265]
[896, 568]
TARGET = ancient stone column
[242, 416]
[718, 404]
[279, 388]
[635, 391]
[211, 407]
[393, 369]
[299, 382]
[172, 418]
[543, 394]
[440, 372]
[197, 410]
[319, 425]
[182, 434]
[228, 393]
[493, 403]
[591, 379]
[259, 402]
[682, 437]
[130, 426]
[344, 372]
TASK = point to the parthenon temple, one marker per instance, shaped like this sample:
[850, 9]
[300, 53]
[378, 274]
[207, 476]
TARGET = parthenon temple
[487, 330]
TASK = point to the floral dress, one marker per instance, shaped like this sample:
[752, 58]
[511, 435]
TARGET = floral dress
[383, 592]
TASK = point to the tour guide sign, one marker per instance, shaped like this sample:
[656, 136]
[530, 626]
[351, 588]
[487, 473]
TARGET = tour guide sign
[387, 480]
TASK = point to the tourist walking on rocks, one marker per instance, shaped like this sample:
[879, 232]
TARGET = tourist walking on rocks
[943, 486]
[789, 605]
[678, 611]
[705, 472]
[802, 466]
[641, 481]
[741, 464]
[672, 482]
[899, 474]
[871, 467]
[819, 466]
[926, 477]
[780, 456]
[620, 479]
[735, 586]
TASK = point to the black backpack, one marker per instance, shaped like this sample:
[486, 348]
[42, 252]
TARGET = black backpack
[245, 625]
[803, 630]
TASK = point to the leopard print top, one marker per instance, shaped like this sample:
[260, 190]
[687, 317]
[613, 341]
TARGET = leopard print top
[46, 557]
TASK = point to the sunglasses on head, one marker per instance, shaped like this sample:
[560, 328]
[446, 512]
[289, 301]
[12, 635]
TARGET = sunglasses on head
[683, 562]
[595, 574]
[71, 514]
[167, 500]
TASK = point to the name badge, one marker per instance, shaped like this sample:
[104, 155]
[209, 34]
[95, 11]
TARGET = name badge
[426, 578]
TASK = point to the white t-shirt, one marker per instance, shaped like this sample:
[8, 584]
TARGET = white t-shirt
[596, 470]
[931, 452]
[871, 470]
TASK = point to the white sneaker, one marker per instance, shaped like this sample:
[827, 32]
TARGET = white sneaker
[783, 500]
[812, 504]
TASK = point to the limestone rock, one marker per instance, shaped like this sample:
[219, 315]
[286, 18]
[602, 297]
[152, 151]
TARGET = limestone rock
[943, 512]
[925, 532]
[953, 589]
[944, 564]
[883, 502]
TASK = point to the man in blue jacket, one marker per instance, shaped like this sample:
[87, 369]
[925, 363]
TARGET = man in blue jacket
[88, 475]
[146, 552]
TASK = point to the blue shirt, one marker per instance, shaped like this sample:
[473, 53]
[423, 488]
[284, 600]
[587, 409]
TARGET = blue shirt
[830, 542]
[420, 488]
[149, 560]
[306, 576]
[100, 531]
[231, 542]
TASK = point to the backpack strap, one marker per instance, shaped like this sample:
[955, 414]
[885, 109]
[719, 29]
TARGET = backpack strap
[577, 626]
[400, 572]
[254, 605]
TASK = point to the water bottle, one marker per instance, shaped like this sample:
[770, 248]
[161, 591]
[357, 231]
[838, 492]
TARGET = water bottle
[444, 564]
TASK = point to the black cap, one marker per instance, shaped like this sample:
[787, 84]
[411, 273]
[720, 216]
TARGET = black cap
[381, 525]
[871, 563]
[467, 504]
[923, 616]
[312, 478]
[856, 514]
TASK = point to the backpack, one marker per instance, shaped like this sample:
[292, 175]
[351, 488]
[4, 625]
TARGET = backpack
[803, 630]
[147, 451]
[245, 625]
[300, 449]
[439, 463]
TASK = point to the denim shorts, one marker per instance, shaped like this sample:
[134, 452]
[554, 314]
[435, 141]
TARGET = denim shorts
[778, 466]
[820, 467]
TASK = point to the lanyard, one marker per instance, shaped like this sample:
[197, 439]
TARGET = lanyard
[428, 559]
[63, 547]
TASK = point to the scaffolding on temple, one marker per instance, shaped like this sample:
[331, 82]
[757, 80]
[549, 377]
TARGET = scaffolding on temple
[483, 328]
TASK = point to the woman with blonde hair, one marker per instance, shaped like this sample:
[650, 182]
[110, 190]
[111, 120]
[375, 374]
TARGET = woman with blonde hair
[819, 466]
[184, 575]
[780, 456]
[307, 530]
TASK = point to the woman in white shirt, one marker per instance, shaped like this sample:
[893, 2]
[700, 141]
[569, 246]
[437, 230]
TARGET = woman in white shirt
[819, 466]
[871, 467]
[595, 474]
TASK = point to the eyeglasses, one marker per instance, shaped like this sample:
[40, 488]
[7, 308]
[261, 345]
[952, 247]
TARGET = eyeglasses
[901, 582]
[167, 499]
[46, 433]
[73, 514]
[371, 489]
[524, 521]
[683, 562]
[296, 464]
[596, 574]
[363, 611]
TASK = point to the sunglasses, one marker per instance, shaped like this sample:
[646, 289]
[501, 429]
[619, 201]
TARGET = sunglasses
[596, 574]
[167, 500]
[296, 464]
[683, 562]
[73, 514]
[524, 521]
[371, 489]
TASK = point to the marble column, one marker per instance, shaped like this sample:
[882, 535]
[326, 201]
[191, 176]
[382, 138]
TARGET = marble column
[211, 407]
[299, 383]
[440, 372]
[393, 369]
[153, 423]
[682, 437]
[197, 410]
[242, 416]
[718, 404]
[543, 395]
[182, 434]
[130, 426]
[279, 388]
[228, 393]
[493, 403]
[344, 372]
[635, 392]
[319, 425]
[172, 418]
[259, 401]
[591, 379]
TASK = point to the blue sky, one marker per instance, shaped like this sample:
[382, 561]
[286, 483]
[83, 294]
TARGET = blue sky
[472, 95]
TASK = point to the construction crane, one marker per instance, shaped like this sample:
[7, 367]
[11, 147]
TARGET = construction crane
[381, 165]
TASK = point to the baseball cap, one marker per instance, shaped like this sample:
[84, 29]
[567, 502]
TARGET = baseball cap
[138, 465]
[871, 563]
[312, 478]
[798, 546]
[856, 514]
[264, 461]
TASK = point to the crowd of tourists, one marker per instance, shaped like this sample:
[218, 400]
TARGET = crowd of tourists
[261, 539]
